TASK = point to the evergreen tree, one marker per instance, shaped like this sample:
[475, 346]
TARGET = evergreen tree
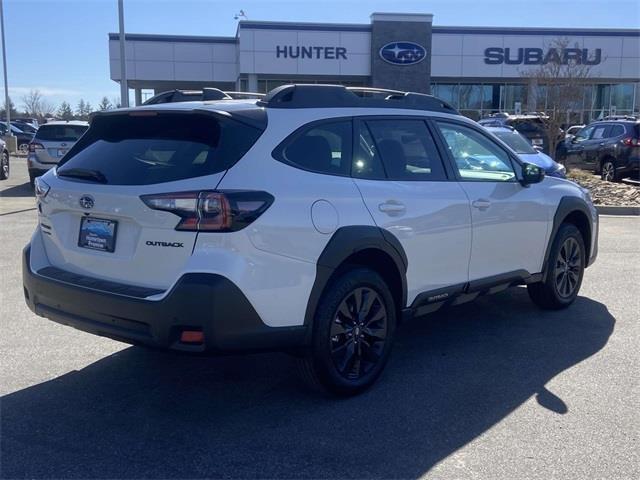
[65, 112]
[105, 104]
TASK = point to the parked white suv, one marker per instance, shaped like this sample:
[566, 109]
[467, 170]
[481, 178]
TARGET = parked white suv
[312, 221]
[51, 142]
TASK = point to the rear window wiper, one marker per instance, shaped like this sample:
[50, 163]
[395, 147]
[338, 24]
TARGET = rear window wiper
[84, 174]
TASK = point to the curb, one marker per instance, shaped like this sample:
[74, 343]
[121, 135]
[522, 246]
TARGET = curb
[617, 210]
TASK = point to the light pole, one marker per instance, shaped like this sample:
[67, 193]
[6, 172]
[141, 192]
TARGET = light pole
[11, 143]
[124, 89]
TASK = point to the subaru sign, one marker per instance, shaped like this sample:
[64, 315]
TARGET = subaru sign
[403, 53]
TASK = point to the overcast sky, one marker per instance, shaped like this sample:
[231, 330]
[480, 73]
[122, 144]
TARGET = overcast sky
[60, 46]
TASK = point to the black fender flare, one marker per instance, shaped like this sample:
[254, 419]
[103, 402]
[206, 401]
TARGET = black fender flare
[566, 207]
[345, 242]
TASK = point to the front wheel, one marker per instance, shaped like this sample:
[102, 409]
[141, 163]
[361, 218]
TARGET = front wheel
[564, 271]
[353, 331]
[4, 166]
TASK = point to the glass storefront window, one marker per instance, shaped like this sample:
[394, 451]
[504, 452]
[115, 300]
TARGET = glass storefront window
[448, 92]
[622, 96]
[513, 94]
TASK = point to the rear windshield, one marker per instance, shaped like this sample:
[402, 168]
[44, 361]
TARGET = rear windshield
[61, 133]
[528, 125]
[516, 141]
[142, 150]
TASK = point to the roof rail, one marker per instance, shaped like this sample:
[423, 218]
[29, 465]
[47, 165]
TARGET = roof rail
[245, 95]
[332, 96]
[621, 117]
[214, 94]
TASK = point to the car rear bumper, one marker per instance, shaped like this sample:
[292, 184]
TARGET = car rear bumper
[203, 302]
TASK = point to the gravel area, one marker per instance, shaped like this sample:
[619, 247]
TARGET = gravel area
[606, 193]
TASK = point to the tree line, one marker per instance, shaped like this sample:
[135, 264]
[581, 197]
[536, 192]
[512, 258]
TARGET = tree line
[34, 105]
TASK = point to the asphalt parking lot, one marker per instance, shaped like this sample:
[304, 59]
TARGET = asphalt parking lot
[491, 389]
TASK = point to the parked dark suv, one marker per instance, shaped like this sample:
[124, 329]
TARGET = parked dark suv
[529, 126]
[609, 147]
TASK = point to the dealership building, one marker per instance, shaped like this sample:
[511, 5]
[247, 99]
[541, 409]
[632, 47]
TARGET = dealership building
[478, 70]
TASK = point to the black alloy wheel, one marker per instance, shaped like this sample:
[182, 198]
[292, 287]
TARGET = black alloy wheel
[564, 270]
[353, 330]
[568, 268]
[358, 333]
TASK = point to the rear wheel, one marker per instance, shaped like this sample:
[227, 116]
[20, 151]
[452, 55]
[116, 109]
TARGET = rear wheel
[608, 171]
[353, 331]
[4, 166]
[23, 147]
[565, 269]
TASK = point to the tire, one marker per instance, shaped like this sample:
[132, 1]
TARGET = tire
[565, 269]
[4, 166]
[23, 147]
[608, 171]
[356, 304]
[32, 180]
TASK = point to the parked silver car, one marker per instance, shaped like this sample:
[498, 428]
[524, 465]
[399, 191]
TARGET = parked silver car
[51, 143]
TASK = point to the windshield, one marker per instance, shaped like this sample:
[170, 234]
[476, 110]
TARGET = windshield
[516, 141]
[61, 133]
[141, 150]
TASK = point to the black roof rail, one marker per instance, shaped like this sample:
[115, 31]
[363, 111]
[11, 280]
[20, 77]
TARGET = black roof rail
[242, 95]
[332, 96]
[214, 94]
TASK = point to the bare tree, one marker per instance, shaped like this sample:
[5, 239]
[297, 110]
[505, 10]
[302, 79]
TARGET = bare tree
[32, 103]
[562, 75]
[35, 105]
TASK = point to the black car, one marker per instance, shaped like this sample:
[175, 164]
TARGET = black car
[529, 126]
[611, 148]
[23, 138]
[25, 127]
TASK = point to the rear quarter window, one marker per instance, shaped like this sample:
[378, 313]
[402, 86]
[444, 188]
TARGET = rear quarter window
[143, 150]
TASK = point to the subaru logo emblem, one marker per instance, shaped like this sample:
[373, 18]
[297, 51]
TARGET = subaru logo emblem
[86, 202]
[403, 53]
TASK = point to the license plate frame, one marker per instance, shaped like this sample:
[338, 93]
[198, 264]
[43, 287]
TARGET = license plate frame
[101, 238]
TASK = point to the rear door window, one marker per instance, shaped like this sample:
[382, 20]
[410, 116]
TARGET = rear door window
[407, 149]
[61, 133]
[143, 150]
[616, 131]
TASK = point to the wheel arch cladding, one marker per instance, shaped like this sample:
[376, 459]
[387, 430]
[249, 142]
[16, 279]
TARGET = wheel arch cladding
[575, 211]
[367, 246]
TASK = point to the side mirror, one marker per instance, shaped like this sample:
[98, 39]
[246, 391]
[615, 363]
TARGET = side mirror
[531, 174]
[537, 147]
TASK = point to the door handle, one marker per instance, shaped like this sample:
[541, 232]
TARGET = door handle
[392, 208]
[481, 204]
[601, 144]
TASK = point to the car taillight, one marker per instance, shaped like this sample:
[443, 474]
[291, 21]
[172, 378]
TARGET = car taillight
[631, 142]
[35, 146]
[211, 211]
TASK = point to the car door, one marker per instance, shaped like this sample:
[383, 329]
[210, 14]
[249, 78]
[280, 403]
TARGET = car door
[509, 221]
[405, 186]
[575, 147]
[594, 144]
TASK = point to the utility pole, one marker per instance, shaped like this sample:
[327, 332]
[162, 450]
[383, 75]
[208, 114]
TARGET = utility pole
[124, 89]
[4, 66]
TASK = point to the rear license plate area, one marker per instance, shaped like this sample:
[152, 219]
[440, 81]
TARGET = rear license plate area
[98, 234]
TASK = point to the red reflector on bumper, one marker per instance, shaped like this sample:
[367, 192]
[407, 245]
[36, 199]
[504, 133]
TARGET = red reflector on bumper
[192, 336]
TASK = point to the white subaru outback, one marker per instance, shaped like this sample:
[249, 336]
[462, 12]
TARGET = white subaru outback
[312, 221]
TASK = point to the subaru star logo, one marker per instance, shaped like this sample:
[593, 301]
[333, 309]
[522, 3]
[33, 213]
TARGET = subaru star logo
[86, 202]
[403, 53]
